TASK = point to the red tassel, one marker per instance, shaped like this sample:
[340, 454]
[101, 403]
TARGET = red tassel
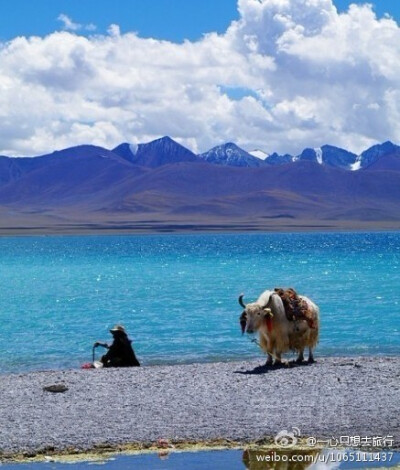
[269, 324]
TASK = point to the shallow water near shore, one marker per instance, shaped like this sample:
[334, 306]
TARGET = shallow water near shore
[230, 459]
[177, 294]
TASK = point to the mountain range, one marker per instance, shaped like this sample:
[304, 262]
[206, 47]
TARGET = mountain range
[231, 155]
[161, 185]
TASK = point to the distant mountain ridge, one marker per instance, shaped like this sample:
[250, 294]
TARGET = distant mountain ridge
[329, 155]
[374, 153]
[165, 151]
[159, 152]
[163, 184]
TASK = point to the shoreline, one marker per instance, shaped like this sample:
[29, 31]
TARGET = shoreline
[101, 453]
[196, 405]
[193, 229]
[106, 451]
[257, 357]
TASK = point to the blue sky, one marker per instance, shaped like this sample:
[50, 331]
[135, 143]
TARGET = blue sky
[173, 20]
[163, 19]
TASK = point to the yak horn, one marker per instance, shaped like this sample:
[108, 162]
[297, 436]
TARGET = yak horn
[268, 311]
[242, 304]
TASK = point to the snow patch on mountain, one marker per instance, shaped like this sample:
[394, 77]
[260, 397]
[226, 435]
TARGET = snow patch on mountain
[318, 154]
[133, 148]
[259, 154]
[357, 164]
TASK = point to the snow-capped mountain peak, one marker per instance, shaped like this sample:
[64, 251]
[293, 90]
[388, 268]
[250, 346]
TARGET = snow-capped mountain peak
[374, 153]
[230, 154]
[329, 155]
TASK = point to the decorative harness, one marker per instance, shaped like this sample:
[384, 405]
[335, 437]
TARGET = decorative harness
[268, 321]
[296, 309]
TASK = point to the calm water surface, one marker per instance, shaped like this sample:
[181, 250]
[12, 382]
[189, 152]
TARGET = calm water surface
[177, 294]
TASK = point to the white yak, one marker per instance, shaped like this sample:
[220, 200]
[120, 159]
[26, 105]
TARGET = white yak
[278, 334]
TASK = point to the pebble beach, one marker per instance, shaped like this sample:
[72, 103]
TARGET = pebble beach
[233, 402]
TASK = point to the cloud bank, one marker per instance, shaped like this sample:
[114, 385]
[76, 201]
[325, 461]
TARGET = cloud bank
[284, 76]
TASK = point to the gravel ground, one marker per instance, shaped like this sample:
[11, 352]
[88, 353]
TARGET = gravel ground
[237, 401]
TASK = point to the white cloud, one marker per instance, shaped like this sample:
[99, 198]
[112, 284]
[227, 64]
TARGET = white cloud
[70, 25]
[313, 76]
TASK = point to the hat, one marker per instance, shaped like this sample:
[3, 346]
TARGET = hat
[118, 328]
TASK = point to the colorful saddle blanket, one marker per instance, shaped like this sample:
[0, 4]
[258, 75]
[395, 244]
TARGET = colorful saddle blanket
[295, 307]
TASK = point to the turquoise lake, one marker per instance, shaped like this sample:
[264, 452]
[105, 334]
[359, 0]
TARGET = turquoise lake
[177, 294]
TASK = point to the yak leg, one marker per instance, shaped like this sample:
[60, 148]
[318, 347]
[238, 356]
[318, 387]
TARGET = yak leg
[265, 344]
[269, 360]
[310, 356]
[278, 359]
[300, 357]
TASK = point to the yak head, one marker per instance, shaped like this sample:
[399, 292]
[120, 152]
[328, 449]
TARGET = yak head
[253, 316]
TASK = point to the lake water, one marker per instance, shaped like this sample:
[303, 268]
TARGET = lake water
[232, 460]
[177, 294]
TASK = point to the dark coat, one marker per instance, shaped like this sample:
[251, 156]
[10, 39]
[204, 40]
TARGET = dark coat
[120, 353]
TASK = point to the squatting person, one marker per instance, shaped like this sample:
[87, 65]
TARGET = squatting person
[120, 353]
